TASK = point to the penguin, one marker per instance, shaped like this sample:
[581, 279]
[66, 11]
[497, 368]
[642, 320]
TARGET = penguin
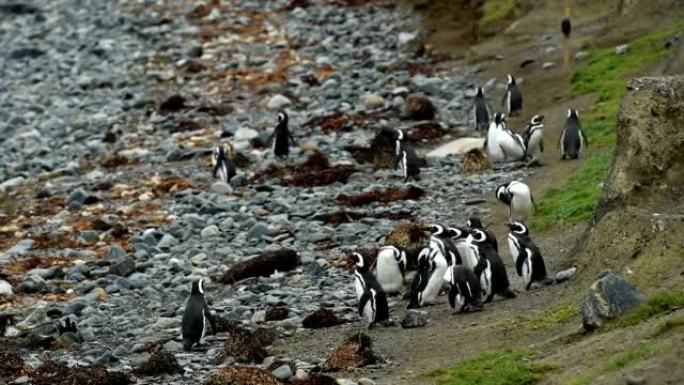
[410, 164]
[527, 258]
[572, 140]
[511, 143]
[516, 195]
[222, 165]
[373, 307]
[491, 145]
[390, 269]
[465, 291]
[481, 111]
[566, 27]
[513, 100]
[532, 137]
[440, 239]
[458, 236]
[283, 137]
[490, 269]
[195, 317]
[429, 279]
[476, 223]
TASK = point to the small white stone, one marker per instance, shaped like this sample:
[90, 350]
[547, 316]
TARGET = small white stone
[406, 37]
[372, 101]
[278, 102]
[5, 288]
[210, 231]
[245, 133]
[622, 49]
[548, 65]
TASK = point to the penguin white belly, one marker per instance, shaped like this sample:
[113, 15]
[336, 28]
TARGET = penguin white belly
[389, 276]
[223, 173]
[358, 286]
[369, 310]
[533, 147]
[512, 148]
[494, 152]
[527, 268]
[513, 247]
[521, 207]
[469, 258]
[204, 329]
[435, 282]
[460, 301]
[486, 280]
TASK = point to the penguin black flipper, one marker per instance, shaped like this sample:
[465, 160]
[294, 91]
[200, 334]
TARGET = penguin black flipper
[541, 145]
[209, 317]
[364, 300]
[584, 137]
[520, 261]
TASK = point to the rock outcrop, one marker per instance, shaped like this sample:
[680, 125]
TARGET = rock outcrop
[609, 297]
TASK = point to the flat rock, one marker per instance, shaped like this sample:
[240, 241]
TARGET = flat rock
[609, 297]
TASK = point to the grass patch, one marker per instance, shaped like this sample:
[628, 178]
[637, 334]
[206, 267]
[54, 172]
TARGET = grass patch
[618, 362]
[545, 319]
[655, 305]
[507, 367]
[495, 11]
[576, 199]
[668, 325]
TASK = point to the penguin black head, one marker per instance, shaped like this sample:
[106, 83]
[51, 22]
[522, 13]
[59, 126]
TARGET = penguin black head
[511, 80]
[218, 155]
[197, 287]
[518, 228]
[437, 230]
[360, 262]
[502, 195]
[282, 117]
[474, 223]
[457, 232]
[478, 235]
[480, 92]
[573, 114]
[499, 118]
[537, 120]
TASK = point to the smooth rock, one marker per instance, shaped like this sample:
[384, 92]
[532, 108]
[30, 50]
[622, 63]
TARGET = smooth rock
[245, 133]
[283, 372]
[123, 268]
[221, 188]
[622, 49]
[609, 297]
[5, 288]
[414, 319]
[210, 231]
[372, 101]
[278, 102]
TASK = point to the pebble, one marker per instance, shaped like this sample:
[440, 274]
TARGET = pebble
[123, 268]
[278, 102]
[372, 101]
[5, 288]
[210, 231]
[283, 372]
[221, 188]
[622, 49]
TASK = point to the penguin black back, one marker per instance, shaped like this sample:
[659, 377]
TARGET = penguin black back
[223, 166]
[566, 27]
[500, 283]
[196, 316]
[283, 138]
[527, 254]
[572, 140]
[465, 291]
[481, 111]
[420, 280]
[513, 100]
[373, 300]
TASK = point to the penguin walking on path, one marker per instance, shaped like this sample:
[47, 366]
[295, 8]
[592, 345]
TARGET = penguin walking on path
[195, 317]
[481, 111]
[566, 27]
[283, 137]
[527, 258]
[572, 140]
[390, 269]
[373, 307]
[516, 195]
[533, 139]
[465, 291]
[513, 100]
[406, 157]
[490, 269]
[429, 280]
[222, 166]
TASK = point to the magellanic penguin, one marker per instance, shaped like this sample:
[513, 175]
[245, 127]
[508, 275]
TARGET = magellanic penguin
[513, 100]
[481, 111]
[490, 269]
[373, 305]
[512, 144]
[465, 291]
[533, 138]
[476, 223]
[390, 269]
[406, 157]
[283, 137]
[572, 140]
[527, 258]
[566, 27]
[458, 236]
[440, 239]
[429, 280]
[492, 145]
[516, 195]
[195, 318]
[222, 165]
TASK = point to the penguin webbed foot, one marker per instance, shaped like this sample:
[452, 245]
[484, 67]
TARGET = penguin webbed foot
[508, 294]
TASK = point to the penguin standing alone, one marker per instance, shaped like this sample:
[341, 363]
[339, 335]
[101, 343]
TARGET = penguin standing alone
[481, 110]
[572, 140]
[283, 137]
[532, 137]
[222, 165]
[373, 305]
[527, 258]
[566, 27]
[406, 157]
[516, 195]
[513, 100]
[490, 267]
[465, 291]
[429, 279]
[195, 317]
[390, 269]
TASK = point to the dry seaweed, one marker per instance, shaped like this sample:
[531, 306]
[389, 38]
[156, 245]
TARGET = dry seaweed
[241, 375]
[355, 352]
[276, 313]
[245, 347]
[475, 161]
[56, 373]
[379, 195]
[426, 131]
[412, 237]
[315, 171]
[321, 318]
[262, 266]
[11, 365]
[160, 362]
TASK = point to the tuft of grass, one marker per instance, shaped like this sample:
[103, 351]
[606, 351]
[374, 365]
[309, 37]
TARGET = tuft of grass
[507, 367]
[668, 325]
[545, 319]
[577, 198]
[655, 305]
[620, 361]
[495, 11]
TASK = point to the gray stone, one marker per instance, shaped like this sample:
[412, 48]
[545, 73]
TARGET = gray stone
[5, 288]
[87, 334]
[210, 231]
[221, 188]
[366, 381]
[123, 268]
[173, 347]
[239, 180]
[77, 196]
[414, 319]
[258, 231]
[565, 274]
[608, 298]
[278, 102]
[115, 253]
[548, 65]
[20, 247]
[245, 133]
[283, 372]
[622, 49]
[167, 242]
[32, 284]
[372, 101]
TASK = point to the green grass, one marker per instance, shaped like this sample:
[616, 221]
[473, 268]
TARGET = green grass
[668, 325]
[655, 305]
[575, 199]
[620, 361]
[507, 367]
[496, 10]
[545, 319]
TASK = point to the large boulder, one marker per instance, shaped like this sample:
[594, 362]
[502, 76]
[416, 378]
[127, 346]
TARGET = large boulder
[609, 297]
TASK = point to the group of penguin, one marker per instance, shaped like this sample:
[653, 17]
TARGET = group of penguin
[503, 144]
[464, 261]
